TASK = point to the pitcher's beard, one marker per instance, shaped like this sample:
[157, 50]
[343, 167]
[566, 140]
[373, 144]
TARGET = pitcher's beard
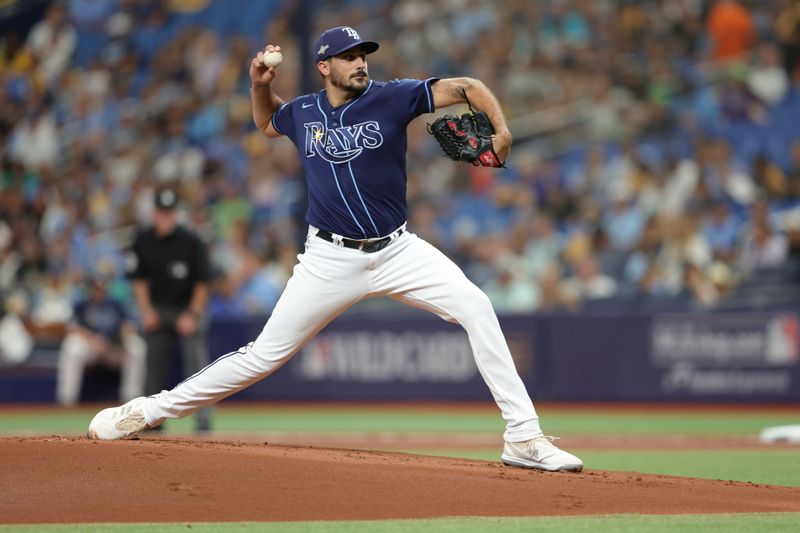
[352, 85]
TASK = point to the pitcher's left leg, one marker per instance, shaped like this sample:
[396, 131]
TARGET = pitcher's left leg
[442, 288]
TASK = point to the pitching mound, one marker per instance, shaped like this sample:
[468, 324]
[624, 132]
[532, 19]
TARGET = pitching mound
[59, 479]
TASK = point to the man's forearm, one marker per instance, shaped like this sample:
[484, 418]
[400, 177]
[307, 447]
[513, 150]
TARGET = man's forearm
[450, 91]
[265, 103]
[482, 99]
[197, 305]
[141, 293]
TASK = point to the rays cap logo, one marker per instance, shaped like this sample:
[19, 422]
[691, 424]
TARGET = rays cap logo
[340, 39]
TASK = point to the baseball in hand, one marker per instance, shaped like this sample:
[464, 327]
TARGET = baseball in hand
[272, 59]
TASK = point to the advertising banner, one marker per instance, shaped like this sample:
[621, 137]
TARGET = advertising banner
[674, 357]
[722, 355]
[671, 357]
[738, 357]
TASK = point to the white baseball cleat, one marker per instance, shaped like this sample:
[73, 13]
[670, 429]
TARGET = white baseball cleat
[118, 422]
[542, 454]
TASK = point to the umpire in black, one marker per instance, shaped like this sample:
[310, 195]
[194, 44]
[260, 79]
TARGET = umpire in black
[171, 273]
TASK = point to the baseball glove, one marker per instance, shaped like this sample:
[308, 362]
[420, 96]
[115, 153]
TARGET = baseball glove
[466, 138]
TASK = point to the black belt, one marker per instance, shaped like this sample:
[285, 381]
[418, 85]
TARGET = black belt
[369, 246]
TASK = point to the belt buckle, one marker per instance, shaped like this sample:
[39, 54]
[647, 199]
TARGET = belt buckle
[376, 245]
[369, 247]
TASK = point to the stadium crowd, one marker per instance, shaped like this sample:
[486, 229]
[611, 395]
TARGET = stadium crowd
[656, 152]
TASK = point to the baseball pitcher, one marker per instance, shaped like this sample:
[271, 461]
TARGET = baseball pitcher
[351, 138]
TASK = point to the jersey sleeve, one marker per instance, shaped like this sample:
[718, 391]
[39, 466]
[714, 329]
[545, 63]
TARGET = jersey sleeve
[414, 97]
[283, 120]
[134, 266]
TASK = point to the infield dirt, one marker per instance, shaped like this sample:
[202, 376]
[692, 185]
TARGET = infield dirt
[63, 480]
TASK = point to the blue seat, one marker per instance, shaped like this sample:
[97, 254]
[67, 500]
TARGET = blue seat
[747, 139]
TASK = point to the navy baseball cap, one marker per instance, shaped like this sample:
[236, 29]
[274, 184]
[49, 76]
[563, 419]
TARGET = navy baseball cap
[166, 198]
[336, 40]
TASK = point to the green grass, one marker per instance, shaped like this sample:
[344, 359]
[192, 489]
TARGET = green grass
[665, 423]
[345, 419]
[438, 420]
[770, 466]
[763, 523]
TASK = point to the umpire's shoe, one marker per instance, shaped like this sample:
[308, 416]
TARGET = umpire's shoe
[118, 422]
[540, 453]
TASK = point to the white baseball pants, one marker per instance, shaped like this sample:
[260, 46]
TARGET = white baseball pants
[76, 353]
[328, 280]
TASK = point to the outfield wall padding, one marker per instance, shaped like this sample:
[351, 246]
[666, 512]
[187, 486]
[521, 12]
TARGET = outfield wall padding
[711, 357]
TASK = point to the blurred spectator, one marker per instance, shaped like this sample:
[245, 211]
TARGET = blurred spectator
[787, 28]
[766, 78]
[223, 303]
[543, 246]
[512, 290]
[721, 228]
[722, 278]
[737, 104]
[770, 179]
[171, 275]
[52, 41]
[101, 334]
[791, 228]
[256, 291]
[16, 342]
[732, 30]
[554, 295]
[605, 111]
[9, 259]
[762, 248]
[702, 289]
[52, 301]
[589, 283]
[15, 58]
[34, 141]
[683, 176]
[624, 222]
[793, 170]
[642, 267]
[727, 178]
[683, 245]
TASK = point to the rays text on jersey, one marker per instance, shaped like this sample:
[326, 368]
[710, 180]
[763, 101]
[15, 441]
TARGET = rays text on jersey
[343, 144]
